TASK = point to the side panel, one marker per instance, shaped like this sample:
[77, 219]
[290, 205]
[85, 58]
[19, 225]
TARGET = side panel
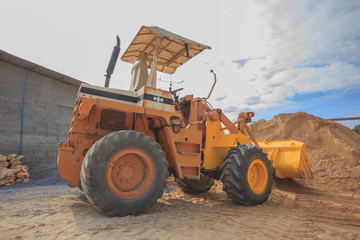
[183, 151]
[152, 98]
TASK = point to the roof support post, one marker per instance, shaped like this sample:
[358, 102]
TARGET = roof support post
[152, 77]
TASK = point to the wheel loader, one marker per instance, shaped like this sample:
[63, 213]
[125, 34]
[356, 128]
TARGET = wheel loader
[123, 144]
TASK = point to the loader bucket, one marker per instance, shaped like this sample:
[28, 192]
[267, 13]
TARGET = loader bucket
[288, 157]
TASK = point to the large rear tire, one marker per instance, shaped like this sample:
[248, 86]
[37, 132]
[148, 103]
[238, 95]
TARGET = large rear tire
[247, 175]
[196, 186]
[124, 173]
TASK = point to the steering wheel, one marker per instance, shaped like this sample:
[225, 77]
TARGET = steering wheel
[176, 91]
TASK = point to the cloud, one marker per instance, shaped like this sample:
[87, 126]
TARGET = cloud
[309, 47]
[220, 98]
[338, 75]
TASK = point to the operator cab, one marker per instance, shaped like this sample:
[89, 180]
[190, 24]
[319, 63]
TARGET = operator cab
[159, 50]
[153, 48]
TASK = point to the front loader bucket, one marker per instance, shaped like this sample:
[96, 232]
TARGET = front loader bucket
[288, 157]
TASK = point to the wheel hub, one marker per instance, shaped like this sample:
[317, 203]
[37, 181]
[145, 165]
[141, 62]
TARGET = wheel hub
[129, 173]
[257, 176]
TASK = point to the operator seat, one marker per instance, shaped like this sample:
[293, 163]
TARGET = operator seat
[139, 73]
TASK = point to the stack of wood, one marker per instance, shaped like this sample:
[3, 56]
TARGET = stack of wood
[11, 170]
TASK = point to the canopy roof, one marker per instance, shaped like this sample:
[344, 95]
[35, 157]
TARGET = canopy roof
[174, 50]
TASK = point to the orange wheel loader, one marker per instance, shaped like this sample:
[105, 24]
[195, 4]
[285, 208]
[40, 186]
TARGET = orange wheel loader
[123, 144]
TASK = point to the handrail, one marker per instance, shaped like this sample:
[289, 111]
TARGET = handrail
[212, 88]
[212, 71]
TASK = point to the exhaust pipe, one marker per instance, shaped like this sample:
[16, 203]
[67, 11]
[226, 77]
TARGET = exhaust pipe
[112, 63]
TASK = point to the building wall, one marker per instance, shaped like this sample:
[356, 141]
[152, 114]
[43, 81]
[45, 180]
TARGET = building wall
[48, 109]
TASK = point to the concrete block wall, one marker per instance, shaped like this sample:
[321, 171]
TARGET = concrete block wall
[48, 108]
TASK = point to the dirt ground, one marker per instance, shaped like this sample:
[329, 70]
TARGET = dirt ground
[292, 212]
[325, 207]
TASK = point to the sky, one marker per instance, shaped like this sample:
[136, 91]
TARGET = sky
[270, 57]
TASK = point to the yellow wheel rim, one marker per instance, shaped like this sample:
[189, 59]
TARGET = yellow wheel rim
[257, 176]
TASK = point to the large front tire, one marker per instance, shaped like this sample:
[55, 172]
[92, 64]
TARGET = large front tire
[247, 175]
[124, 173]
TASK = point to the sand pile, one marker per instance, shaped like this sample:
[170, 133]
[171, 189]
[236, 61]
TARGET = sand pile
[333, 149]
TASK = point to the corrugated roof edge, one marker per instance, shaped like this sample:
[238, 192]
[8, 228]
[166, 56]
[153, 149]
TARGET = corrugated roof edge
[162, 32]
[7, 57]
